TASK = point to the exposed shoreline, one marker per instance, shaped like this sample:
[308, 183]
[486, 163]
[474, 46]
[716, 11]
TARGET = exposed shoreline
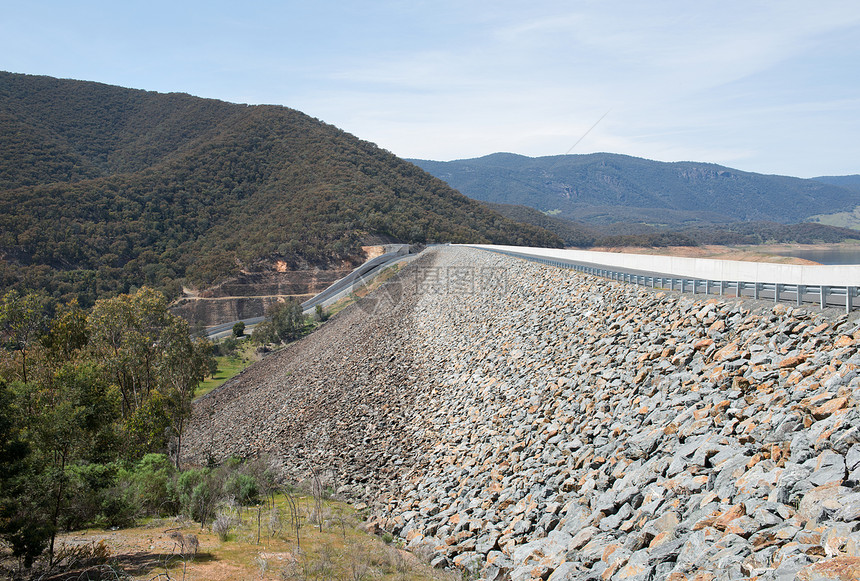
[745, 253]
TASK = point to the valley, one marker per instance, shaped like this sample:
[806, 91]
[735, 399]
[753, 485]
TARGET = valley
[522, 421]
[496, 418]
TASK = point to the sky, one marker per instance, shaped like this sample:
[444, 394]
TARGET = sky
[757, 85]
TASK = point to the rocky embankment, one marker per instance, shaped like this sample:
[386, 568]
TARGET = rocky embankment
[336, 403]
[569, 427]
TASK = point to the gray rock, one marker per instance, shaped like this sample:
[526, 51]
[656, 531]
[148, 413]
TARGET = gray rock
[791, 484]
[495, 573]
[850, 511]
[829, 467]
[801, 448]
[582, 538]
[694, 548]
[790, 567]
[842, 441]
[852, 458]
[667, 552]
[605, 503]
[729, 471]
[766, 518]
[440, 562]
[576, 518]
[786, 428]
[554, 546]
[614, 521]
[487, 543]
[565, 572]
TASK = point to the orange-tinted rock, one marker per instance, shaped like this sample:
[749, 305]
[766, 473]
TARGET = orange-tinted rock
[730, 351]
[731, 514]
[630, 570]
[828, 408]
[703, 344]
[793, 361]
[835, 569]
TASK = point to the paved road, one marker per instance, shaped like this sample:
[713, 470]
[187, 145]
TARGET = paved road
[346, 283]
[334, 292]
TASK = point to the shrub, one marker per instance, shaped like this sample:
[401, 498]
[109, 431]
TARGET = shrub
[242, 487]
[89, 489]
[186, 485]
[152, 484]
[224, 522]
[202, 498]
[285, 322]
[226, 348]
[320, 314]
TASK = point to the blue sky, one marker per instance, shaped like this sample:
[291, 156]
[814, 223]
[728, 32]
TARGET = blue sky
[765, 86]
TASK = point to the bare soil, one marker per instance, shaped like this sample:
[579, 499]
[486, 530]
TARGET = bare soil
[148, 552]
[760, 253]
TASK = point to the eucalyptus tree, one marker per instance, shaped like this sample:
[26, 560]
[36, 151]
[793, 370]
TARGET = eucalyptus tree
[150, 357]
[23, 319]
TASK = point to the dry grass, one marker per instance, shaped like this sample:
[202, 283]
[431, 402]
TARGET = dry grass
[375, 283]
[261, 544]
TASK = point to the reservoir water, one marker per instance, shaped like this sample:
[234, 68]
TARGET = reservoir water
[826, 255]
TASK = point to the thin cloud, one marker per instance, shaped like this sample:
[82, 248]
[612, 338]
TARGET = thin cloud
[726, 82]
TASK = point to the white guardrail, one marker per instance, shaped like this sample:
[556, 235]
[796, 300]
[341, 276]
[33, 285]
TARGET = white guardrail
[825, 285]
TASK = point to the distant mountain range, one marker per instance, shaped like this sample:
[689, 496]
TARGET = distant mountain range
[103, 189]
[604, 188]
[640, 234]
[851, 182]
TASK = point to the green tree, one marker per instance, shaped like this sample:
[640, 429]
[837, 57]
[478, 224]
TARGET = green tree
[239, 329]
[149, 355]
[115, 383]
[22, 320]
[181, 368]
[77, 415]
[67, 334]
[285, 322]
[20, 524]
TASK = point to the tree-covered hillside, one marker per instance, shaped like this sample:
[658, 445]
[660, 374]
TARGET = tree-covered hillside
[851, 182]
[104, 189]
[572, 233]
[637, 234]
[605, 188]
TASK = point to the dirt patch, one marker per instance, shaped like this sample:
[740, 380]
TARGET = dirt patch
[373, 251]
[763, 253]
[338, 551]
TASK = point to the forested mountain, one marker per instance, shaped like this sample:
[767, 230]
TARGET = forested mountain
[850, 182]
[103, 189]
[633, 234]
[604, 188]
[572, 233]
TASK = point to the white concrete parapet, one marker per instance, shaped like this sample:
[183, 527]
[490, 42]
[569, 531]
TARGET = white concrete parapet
[700, 268]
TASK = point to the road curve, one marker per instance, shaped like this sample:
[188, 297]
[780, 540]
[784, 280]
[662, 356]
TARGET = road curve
[339, 286]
